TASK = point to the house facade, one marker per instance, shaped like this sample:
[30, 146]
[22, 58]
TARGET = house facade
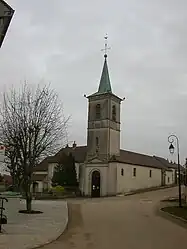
[103, 169]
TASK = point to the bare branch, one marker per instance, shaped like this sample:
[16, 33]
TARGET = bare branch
[32, 125]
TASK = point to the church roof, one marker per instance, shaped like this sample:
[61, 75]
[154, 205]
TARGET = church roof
[172, 165]
[79, 153]
[105, 86]
[134, 158]
[127, 157]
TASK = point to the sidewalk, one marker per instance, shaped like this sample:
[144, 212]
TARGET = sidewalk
[29, 231]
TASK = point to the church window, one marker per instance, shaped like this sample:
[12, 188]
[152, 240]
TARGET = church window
[114, 113]
[122, 172]
[97, 142]
[150, 173]
[134, 171]
[168, 179]
[98, 111]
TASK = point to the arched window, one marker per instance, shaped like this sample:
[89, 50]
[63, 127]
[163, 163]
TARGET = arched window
[98, 111]
[114, 113]
[97, 141]
[150, 173]
[122, 172]
[97, 144]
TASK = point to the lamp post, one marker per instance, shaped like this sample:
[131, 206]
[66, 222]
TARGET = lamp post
[185, 174]
[171, 139]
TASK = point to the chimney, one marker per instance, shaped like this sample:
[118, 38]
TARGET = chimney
[74, 145]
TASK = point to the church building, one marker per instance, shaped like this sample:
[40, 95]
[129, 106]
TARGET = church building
[103, 169]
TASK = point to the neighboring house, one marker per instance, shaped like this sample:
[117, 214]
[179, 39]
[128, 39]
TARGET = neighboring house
[7, 179]
[103, 169]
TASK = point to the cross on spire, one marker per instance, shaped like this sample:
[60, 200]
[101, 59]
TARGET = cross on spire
[106, 46]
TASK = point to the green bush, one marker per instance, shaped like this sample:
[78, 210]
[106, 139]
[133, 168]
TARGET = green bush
[58, 189]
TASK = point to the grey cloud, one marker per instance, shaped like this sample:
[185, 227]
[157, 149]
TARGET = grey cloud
[60, 42]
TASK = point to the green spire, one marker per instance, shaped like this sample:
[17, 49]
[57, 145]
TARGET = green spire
[105, 85]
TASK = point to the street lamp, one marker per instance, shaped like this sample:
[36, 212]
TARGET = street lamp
[171, 148]
[171, 139]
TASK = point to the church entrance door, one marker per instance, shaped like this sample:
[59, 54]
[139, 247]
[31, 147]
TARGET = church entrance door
[95, 184]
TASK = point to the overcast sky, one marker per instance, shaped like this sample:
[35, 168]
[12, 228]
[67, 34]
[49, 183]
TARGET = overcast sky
[60, 42]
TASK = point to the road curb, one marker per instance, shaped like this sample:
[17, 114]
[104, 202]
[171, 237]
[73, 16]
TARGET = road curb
[146, 190]
[173, 218]
[57, 236]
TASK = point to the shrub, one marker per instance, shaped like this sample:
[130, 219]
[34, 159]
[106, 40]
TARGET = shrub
[58, 189]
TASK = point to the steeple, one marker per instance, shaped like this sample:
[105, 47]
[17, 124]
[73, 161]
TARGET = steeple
[103, 134]
[105, 85]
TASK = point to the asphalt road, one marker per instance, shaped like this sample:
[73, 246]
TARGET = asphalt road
[122, 223]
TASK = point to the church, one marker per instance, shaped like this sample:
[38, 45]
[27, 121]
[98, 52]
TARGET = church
[103, 169]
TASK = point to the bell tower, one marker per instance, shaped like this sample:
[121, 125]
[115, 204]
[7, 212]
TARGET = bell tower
[103, 134]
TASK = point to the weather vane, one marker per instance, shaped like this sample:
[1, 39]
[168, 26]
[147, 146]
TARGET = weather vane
[106, 46]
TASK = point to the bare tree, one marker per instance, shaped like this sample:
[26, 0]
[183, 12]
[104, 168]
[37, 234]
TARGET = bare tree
[32, 126]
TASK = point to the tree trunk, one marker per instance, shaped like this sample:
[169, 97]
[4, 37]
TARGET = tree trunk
[29, 202]
[28, 198]
[185, 194]
[13, 181]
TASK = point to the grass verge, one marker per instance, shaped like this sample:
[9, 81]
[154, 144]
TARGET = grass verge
[177, 211]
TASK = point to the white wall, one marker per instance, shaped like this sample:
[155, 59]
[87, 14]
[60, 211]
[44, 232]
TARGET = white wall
[112, 178]
[114, 142]
[51, 167]
[40, 172]
[128, 182]
[77, 165]
[39, 186]
[82, 177]
[170, 177]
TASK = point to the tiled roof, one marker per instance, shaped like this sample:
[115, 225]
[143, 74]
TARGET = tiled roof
[128, 157]
[43, 166]
[134, 158]
[78, 152]
[165, 162]
[38, 177]
[169, 164]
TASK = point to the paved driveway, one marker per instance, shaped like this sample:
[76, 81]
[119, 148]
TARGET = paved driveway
[122, 223]
[28, 231]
